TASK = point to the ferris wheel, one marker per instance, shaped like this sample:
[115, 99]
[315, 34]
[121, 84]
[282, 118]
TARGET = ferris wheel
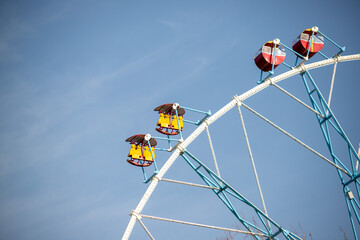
[172, 117]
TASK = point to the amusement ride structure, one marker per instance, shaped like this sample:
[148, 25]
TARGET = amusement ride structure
[171, 124]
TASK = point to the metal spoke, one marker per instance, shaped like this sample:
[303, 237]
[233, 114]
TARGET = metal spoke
[298, 100]
[202, 225]
[146, 230]
[252, 162]
[296, 140]
[189, 184]
[212, 151]
[331, 87]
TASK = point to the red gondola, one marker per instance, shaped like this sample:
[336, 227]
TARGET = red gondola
[168, 123]
[304, 41]
[140, 154]
[269, 52]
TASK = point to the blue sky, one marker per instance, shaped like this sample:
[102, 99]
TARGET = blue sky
[79, 77]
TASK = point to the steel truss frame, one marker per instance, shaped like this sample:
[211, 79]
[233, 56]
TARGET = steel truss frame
[223, 190]
[326, 121]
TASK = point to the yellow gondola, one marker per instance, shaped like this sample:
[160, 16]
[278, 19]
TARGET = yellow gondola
[140, 154]
[168, 123]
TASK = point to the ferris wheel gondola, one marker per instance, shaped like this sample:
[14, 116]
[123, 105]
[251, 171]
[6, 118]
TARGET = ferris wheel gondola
[141, 154]
[171, 119]
[308, 43]
[269, 56]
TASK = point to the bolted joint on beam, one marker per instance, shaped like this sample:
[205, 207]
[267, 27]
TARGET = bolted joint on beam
[237, 99]
[350, 194]
[180, 148]
[155, 177]
[337, 57]
[137, 215]
[221, 189]
[302, 68]
[325, 119]
[206, 121]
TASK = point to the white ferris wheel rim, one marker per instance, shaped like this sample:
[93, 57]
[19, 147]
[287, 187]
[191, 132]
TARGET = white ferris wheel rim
[136, 214]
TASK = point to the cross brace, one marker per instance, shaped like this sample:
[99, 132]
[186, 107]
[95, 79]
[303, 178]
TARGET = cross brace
[329, 121]
[224, 190]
